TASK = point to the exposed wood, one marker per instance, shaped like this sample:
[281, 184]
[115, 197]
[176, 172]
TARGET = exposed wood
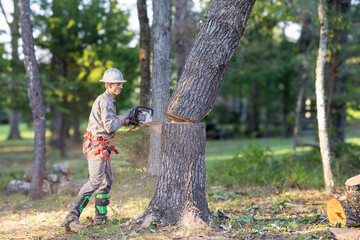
[346, 209]
[353, 189]
[345, 234]
[335, 211]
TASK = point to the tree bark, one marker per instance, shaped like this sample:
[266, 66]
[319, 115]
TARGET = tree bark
[36, 102]
[320, 101]
[180, 196]
[144, 53]
[208, 61]
[160, 78]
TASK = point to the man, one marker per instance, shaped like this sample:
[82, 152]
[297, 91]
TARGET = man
[103, 123]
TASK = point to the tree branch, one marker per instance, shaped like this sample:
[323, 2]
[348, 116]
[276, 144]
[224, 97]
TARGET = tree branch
[3, 11]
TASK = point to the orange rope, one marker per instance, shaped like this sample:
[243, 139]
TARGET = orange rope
[102, 143]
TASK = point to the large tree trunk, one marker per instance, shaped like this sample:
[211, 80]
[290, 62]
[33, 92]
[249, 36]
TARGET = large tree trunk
[180, 192]
[15, 65]
[160, 78]
[320, 101]
[144, 53]
[36, 102]
[180, 196]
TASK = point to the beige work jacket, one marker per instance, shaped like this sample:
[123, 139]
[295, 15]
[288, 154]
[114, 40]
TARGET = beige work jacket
[103, 121]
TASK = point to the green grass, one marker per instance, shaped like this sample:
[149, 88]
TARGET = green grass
[234, 161]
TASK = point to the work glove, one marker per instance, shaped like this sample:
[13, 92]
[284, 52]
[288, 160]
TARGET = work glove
[130, 113]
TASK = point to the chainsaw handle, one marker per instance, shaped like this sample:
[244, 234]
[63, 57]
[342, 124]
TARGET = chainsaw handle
[145, 107]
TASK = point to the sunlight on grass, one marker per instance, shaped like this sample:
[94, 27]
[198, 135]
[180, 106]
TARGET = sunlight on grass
[20, 148]
[26, 131]
[31, 224]
[353, 140]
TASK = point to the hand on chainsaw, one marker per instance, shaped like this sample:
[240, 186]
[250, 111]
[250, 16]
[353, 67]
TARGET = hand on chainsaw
[130, 113]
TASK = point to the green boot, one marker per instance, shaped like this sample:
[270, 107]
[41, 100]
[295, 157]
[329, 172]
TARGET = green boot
[101, 202]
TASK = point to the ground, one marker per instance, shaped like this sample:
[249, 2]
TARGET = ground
[239, 211]
[254, 213]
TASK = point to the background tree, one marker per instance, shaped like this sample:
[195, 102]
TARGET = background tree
[160, 78]
[15, 71]
[180, 192]
[320, 100]
[262, 105]
[336, 74]
[305, 42]
[182, 33]
[81, 49]
[36, 102]
[144, 53]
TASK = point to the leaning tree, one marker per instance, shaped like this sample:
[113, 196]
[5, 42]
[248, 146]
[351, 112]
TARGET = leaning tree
[180, 196]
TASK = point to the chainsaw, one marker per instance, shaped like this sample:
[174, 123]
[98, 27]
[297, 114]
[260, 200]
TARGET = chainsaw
[143, 117]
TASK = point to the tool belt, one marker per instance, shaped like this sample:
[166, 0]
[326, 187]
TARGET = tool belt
[92, 146]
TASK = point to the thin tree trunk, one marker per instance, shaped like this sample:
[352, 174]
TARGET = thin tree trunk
[14, 124]
[36, 102]
[303, 75]
[320, 101]
[253, 109]
[180, 196]
[62, 137]
[76, 127]
[55, 127]
[144, 53]
[160, 78]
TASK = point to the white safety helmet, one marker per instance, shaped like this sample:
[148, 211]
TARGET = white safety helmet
[113, 75]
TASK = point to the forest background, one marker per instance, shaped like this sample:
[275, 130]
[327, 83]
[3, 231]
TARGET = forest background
[274, 66]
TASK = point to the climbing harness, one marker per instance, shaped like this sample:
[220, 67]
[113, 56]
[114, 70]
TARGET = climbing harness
[94, 145]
